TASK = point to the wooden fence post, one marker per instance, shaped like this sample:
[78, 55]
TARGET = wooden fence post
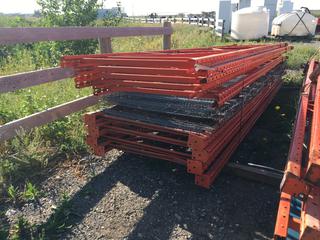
[105, 45]
[167, 38]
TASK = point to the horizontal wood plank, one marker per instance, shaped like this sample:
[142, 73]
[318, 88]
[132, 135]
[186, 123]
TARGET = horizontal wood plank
[10, 129]
[10, 36]
[28, 79]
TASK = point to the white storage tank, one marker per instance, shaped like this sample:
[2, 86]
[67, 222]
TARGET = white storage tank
[271, 5]
[250, 23]
[297, 23]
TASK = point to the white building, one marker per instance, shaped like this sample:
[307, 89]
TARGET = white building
[223, 12]
[244, 3]
[285, 6]
[239, 4]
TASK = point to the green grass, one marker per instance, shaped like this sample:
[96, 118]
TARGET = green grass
[185, 36]
[28, 153]
[299, 56]
[296, 62]
[17, 21]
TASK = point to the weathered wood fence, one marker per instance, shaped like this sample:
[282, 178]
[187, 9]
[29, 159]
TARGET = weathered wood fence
[216, 25]
[200, 21]
[15, 82]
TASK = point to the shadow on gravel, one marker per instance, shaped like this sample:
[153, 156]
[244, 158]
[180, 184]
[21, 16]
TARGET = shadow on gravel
[232, 209]
[4, 229]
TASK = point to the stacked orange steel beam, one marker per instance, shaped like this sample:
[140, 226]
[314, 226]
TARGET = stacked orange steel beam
[189, 106]
[186, 73]
[301, 179]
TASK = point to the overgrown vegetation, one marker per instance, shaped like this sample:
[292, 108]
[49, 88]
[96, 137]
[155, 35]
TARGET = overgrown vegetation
[296, 62]
[299, 55]
[22, 156]
[68, 13]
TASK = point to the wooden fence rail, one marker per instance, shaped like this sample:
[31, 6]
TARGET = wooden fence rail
[28, 35]
[10, 129]
[18, 81]
[23, 80]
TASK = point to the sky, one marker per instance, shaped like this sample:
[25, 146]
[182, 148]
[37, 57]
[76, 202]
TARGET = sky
[143, 7]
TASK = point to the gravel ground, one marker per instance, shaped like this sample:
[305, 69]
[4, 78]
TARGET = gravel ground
[131, 197]
[123, 196]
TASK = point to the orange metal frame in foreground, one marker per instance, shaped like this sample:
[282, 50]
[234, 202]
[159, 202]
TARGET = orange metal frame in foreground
[313, 168]
[302, 222]
[303, 174]
[301, 178]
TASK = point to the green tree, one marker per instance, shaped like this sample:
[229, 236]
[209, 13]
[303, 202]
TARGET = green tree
[114, 16]
[68, 13]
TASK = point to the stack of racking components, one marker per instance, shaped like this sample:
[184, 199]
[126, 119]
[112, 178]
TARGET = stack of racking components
[299, 207]
[189, 106]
